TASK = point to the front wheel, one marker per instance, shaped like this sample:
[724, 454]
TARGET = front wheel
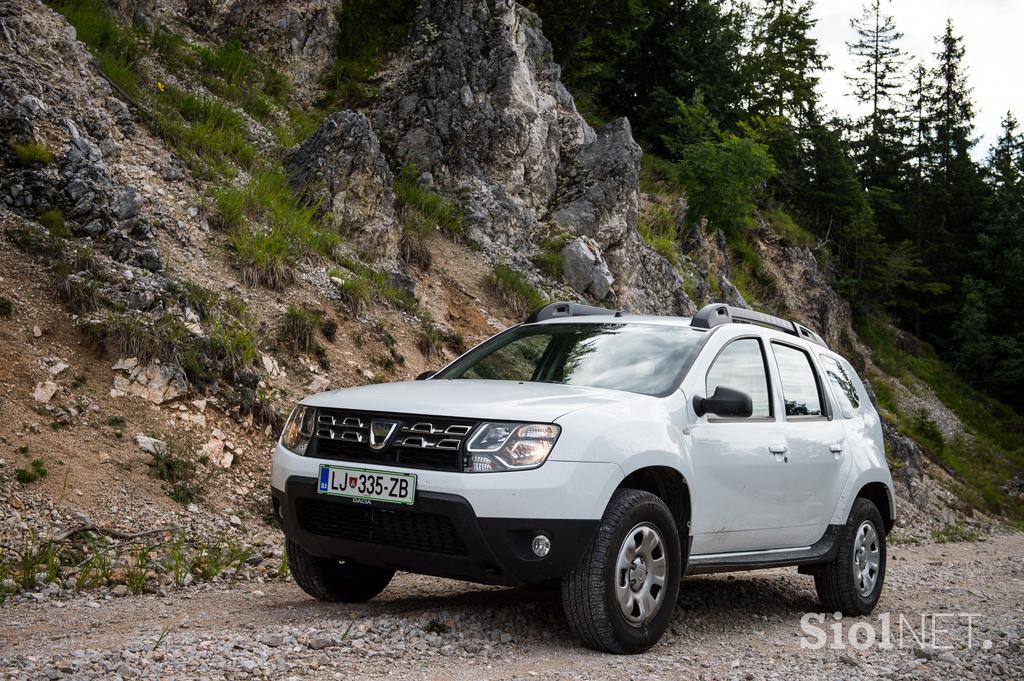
[621, 596]
[852, 582]
[337, 581]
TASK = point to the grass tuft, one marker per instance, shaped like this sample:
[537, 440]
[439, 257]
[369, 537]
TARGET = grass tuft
[298, 329]
[515, 290]
[424, 209]
[28, 154]
[35, 471]
[955, 533]
[657, 227]
[175, 466]
[549, 258]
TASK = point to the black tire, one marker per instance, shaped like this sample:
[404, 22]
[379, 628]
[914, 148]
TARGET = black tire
[837, 583]
[589, 591]
[337, 581]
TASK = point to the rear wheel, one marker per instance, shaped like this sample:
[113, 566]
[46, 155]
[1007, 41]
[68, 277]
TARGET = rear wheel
[621, 596]
[852, 582]
[337, 581]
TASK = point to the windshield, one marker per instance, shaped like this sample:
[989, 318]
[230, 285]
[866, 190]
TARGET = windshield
[639, 358]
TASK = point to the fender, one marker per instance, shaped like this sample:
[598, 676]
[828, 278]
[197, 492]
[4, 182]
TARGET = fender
[854, 484]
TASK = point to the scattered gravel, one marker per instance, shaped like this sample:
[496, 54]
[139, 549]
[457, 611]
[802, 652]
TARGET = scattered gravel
[744, 626]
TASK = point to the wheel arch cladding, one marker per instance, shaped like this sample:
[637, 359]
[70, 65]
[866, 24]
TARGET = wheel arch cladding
[878, 494]
[670, 486]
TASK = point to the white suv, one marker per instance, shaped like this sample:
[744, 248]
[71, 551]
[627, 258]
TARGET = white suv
[614, 453]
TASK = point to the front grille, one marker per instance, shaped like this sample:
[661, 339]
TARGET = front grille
[400, 528]
[415, 441]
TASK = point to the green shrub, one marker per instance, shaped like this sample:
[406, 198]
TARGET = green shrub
[6, 307]
[35, 471]
[721, 177]
[30, 153]
[515, 290]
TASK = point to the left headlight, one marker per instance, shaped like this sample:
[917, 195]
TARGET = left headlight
[510, 446]
[299, 429]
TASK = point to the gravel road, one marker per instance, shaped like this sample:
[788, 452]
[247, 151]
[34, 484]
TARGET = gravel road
[744, 626]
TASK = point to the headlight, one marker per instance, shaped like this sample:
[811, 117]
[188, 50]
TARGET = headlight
[299, 429]
[509, 446]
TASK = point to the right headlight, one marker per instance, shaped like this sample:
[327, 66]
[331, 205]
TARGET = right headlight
[509, 446]
[299, 429]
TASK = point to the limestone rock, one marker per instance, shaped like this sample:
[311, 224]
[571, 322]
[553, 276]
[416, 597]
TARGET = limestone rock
[157, 383]
[479, 107]
[151, 445]
[44, 391]
[340, 167]
[584, 268]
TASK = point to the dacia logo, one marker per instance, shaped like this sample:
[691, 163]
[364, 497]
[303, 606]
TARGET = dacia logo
[380, 432]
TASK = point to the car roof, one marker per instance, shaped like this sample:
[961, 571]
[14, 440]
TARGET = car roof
[622, 319]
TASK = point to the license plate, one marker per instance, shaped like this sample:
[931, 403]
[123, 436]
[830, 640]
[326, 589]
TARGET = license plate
[359, 483]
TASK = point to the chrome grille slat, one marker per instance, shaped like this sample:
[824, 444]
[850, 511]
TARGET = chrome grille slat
[417, 442]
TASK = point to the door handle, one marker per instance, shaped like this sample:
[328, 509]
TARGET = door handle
[778, 449]
[835, 448]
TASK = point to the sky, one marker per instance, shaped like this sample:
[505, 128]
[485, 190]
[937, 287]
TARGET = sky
[993, 32]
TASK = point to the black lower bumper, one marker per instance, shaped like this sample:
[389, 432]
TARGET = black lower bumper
[439, 535]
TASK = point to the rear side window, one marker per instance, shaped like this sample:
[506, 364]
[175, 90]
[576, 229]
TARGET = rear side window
[799, 384]
[740, 366]
[842, 383]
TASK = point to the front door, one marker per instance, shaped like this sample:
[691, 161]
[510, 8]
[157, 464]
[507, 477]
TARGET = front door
[743, 497]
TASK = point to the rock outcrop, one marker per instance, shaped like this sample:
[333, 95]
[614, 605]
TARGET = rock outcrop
[479, 107]
[341, 169]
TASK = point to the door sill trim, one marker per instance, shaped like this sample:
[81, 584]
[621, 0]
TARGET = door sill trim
[822, 551]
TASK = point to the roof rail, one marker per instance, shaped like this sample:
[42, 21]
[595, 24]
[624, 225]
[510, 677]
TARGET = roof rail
[566, 309]
[712, 315]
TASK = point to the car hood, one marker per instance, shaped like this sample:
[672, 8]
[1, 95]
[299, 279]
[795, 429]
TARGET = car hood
[477, 399]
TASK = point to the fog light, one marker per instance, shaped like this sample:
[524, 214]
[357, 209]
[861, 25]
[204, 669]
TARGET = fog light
[541, 546]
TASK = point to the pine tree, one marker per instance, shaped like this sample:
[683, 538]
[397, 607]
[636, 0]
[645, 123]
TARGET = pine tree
[989, 342]
[877, 84]
[785, 61]
[953, 190]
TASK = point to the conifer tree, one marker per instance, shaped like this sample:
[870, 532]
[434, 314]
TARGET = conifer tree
[877, 84]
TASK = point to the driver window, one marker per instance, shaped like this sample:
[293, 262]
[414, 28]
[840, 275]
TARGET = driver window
[741, 366]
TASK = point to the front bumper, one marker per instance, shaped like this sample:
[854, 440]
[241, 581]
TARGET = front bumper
[439, 535]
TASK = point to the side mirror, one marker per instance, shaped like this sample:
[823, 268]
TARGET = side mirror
[425, 375]
[725, 402]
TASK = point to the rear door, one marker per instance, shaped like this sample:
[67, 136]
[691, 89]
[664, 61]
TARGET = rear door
[816, 461]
